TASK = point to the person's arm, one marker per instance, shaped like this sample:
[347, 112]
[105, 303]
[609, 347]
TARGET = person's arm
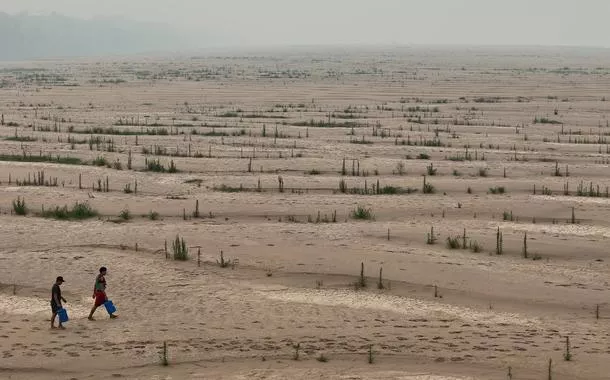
[63, 299]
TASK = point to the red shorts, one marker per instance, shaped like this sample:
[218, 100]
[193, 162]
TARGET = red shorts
[100, 298]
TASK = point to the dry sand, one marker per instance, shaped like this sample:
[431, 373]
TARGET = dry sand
[294, 282]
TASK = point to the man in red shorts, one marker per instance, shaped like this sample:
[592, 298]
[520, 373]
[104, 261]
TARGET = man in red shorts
[99, 292]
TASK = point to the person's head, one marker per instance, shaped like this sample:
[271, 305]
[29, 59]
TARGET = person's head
[103, 271]
[59, 280]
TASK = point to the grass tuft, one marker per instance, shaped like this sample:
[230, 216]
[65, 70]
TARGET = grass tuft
[180, 250]
[454, 242]
[19, 206]
[362, 213]
[497, 190]
[125, 214]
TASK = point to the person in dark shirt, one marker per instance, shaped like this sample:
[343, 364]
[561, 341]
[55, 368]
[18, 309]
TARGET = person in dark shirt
[56, 300]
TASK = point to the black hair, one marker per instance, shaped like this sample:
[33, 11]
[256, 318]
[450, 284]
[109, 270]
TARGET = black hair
[103, 269]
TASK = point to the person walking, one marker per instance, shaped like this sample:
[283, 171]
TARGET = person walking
[99, 292]
[56, 300]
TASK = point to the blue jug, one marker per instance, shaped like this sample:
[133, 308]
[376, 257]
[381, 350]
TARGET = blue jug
[110, 308]
[63, 315]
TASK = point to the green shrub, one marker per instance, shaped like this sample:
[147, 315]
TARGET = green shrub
[125, 214]
[362, 213]
[181, 252]
[497, 190]
[100, 161]
[19, 206]
[454, 242]
[79, 211]
[428, 188]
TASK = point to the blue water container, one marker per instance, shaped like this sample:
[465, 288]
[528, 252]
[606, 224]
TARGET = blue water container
[63, 315]
[110, 308]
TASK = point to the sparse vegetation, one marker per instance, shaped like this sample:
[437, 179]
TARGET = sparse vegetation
[19, 206]
[79, 211]
[222, 262]
[497, 190]
[453, 242]
[125, 214]
[362, 213]
[179, 249]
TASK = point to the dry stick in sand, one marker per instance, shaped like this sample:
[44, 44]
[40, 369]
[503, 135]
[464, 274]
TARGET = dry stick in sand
[164, 361]
[597, 311]
[567, 355]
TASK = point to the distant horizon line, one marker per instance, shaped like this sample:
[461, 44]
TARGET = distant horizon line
[252, 49]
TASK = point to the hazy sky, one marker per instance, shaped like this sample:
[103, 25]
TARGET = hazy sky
[292, 22]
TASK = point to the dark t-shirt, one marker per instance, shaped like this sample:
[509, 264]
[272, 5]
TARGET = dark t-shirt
[55, 290]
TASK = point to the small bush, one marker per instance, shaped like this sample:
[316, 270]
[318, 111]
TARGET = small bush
[172, 167]
[428, 189]
[322, 358]
[125, 214]
[497, 190]
[79, 211]
[19, 206]
[100, 161]
[423, 156]
[223, 263]
[454, 242]
[482, 172]
[475, 247]
[229, 189]
[181, 252]
[400, 168]
[362, 213]
[153, 215]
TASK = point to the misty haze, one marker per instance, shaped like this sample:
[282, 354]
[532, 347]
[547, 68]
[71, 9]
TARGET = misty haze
[397, 189]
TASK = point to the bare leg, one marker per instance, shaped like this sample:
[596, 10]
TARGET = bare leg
[53, 320]
[91, 313]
